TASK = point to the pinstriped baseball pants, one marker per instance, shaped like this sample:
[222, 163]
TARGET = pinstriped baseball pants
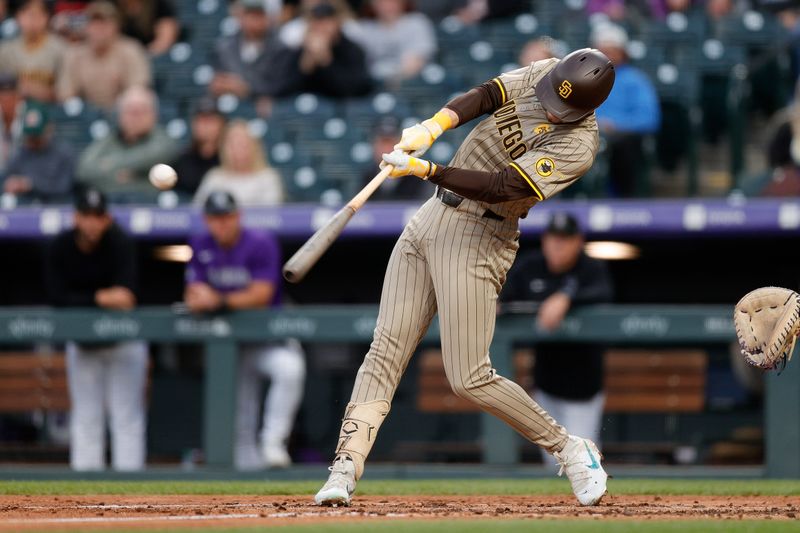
[454, 261]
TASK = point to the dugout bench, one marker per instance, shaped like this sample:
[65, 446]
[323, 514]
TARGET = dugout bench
[637, 325]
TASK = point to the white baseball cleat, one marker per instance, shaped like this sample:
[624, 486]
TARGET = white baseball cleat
[580, 459]
[341, 483]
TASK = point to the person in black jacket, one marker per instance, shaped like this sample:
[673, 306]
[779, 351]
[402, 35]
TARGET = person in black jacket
[94, 265]
[568, 377]
[243, 62]
[326, 62]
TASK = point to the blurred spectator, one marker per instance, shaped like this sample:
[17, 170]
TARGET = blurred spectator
[716, 10]
[540, 48]
[69, 19]
[783, 155]
[326, 62]
[659, 9]
[243, 62]
[203, 153]
[630, 113]
[293, 32]
[385, 135]
[35, 56]
[234, 268]
[789, 18]
[473, 11]
[9, 125]
[568, 377]
[244, 171]
[398, 42]
[107, 64]
[153, 23]
[118, 164]
[615, 10]
[41, 169]
[94, 265]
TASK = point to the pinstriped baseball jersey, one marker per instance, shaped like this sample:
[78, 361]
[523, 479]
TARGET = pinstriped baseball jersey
[453, 261]
[549, 156]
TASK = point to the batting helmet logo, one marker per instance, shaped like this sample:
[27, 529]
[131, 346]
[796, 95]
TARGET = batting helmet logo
[565, 89]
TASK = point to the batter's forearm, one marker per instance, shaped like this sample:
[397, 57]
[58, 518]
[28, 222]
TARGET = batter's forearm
[491, 187]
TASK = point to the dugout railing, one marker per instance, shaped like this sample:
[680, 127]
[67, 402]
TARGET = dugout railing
[612, 324]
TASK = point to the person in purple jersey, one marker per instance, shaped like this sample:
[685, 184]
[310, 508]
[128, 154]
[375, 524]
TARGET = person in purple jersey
[234, 268]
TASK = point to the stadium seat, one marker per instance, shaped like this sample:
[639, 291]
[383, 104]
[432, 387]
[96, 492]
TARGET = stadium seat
[679, 95]
[72, 121]
[509, 35]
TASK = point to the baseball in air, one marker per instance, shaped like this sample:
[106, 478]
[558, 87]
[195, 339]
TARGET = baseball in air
[163, 176]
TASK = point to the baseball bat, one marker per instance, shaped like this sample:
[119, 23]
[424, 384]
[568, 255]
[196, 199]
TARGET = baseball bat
[307, 256]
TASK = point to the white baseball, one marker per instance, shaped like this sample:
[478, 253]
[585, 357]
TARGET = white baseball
[162, 176]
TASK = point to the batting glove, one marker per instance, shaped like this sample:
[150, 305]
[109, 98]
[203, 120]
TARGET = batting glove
[405, 165]
[418, 138]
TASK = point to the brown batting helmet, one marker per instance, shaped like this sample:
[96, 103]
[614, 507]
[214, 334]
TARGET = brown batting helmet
[578, 84]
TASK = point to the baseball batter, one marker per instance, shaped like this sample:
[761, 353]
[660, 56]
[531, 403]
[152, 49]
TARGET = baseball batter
[540, 136]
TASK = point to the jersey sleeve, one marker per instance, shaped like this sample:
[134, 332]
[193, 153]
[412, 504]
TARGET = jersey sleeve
[265, 263]
[551, 168]
[515, 83]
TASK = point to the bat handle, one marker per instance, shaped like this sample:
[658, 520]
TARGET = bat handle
[360, 198]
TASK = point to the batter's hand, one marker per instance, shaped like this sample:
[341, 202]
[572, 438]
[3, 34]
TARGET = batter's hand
[405, 165]
[418, 138]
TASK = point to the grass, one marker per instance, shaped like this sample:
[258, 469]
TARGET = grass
[513, 526]
[704, 487]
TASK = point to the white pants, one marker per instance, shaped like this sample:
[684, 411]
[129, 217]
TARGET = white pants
[285, 366]
[581, 418]
[107, 384]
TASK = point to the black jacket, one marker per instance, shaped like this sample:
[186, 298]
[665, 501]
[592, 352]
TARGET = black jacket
[73, 276]
[347, 74]
[572, 371]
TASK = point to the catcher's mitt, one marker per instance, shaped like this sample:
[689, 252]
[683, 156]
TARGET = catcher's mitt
[767, 323]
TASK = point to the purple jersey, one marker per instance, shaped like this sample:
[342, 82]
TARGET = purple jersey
[256, 256]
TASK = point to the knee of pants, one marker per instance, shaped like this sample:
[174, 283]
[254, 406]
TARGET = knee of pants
[285, 365]
[462, 389]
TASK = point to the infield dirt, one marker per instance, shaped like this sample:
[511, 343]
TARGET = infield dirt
[67, 512]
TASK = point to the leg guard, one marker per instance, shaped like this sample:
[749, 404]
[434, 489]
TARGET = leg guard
[359, 428]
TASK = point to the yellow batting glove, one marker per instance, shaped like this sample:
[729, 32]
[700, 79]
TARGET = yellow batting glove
[405, 165]
[418, 138]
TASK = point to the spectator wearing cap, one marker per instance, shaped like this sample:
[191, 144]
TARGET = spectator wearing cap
[106, 64]
[41, 169]
[93, 265]
[36, 56]
[630, 113]
[243, 62]
[384, 136]
[69, 20]
[153, 23]
[244, 171]
[326, 61]
[568, 378]
[397, 41]
[118, 163]
[10, 102]
[203, 153]
[235, 268]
